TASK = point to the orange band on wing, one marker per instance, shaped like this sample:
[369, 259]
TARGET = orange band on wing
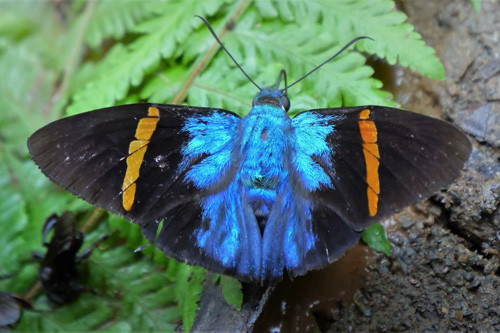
[372, 148]
[365, 114]
[372, 201]
[368, 132]
[137, 150]
[153, 112]
[372, 164]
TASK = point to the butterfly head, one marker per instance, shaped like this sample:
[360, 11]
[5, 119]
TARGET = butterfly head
[272, 96]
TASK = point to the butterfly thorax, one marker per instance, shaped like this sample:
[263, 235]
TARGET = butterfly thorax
[264, 147]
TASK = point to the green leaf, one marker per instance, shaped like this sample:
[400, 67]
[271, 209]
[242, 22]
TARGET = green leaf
[16, 20]
[23, 75]
[271, 47]
[14, 220]
[476, 4]
[231, 290]
[375, 237]
[134, 239]
[129, 230]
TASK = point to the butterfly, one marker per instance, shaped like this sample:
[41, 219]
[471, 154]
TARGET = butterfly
[256, 196]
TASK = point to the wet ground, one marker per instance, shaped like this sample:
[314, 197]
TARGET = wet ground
[443, 273]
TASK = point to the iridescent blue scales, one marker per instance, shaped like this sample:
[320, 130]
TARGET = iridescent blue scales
[251, 197]
[259, 170]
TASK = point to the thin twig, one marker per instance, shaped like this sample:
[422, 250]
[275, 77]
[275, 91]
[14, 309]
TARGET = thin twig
[75, 56]
[33, 291]
[96, 213]
[209, 55]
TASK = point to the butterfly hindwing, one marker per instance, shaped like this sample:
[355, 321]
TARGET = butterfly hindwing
[228, 231]
[300, 233]
[153, 162]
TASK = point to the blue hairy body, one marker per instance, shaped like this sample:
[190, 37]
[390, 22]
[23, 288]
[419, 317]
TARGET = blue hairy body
[256, 175]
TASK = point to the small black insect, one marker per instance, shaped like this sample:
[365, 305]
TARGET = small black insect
[58, 272]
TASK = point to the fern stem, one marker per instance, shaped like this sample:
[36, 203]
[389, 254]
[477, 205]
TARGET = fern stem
[210, 53]
[76, 51]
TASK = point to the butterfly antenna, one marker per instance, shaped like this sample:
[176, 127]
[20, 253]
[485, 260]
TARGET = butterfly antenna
[224, 48]
[324, 62]
[282, 74]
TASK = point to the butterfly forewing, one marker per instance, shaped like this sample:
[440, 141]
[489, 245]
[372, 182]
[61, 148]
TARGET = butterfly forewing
[384, 159]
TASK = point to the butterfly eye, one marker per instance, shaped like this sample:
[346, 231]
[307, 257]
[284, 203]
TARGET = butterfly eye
[285, 102]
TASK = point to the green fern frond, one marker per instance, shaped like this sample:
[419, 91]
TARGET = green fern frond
[22, 73]
[26, 199]
[13, 209]
[187, 289]
[159, 38]
[395, 40]
[344, 80]
[263, 52]
[210, 88]
[114, 19]
[19, 19]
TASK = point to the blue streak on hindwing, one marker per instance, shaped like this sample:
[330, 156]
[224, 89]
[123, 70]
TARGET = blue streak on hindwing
[228, 231]
[289, 234]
